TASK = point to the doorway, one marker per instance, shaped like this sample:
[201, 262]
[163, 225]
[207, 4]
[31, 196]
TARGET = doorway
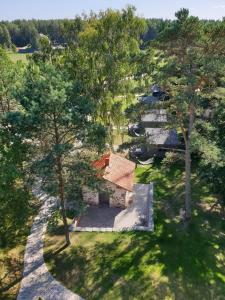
[104, 199]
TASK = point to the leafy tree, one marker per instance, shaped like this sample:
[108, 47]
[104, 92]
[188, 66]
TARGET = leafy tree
[66, 31]
[28, 35]
[103, 59]
[59, 114]
[154, 28]
[45, 47]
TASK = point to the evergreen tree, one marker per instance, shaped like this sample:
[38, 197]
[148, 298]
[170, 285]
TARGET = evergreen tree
[59, 114]
[5, 39]
[190, 65]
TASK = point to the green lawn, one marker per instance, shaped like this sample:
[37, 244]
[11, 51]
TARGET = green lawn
[18, 57]
[172, 263]
[11, 268]
[11, 259]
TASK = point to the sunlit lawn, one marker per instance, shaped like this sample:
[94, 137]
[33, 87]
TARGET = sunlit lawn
[18, 57]
[172, 263]
[11, 267]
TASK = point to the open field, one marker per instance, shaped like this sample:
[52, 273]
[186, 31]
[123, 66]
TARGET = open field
[18, 57]
[171, 263]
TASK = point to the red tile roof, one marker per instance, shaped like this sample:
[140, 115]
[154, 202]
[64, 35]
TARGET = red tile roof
[117, 170]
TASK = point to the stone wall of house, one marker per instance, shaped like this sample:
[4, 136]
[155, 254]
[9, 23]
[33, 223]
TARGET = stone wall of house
[117, 195]
[90, 196]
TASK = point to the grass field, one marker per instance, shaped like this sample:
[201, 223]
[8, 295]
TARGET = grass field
[174, 262]
[11, 268]
[18, 57]
[11, 260]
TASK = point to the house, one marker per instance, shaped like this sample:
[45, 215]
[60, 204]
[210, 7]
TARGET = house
[118, 179]
[154, 118]
[158, 138]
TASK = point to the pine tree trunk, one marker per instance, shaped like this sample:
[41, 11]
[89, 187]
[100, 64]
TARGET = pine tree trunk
[187, 182]
[188, 164]
[61, 186]
[62, 199]
[187, 139]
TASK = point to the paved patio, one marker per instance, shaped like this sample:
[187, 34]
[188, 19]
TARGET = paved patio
[99, 216]
[138, 214]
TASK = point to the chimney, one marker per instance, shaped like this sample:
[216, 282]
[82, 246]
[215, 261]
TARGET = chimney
[107, 162]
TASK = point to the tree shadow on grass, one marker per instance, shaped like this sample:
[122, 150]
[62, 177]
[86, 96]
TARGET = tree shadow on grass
[50, 254]
[170, 262]
[140, 265]
[187, 260]
[11, 275]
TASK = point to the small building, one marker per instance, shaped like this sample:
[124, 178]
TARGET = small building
[118, 180]
[158, 139]
[154, 118]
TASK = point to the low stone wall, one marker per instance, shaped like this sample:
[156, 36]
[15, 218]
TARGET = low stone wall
[110, 229]
[129, 199]
[150, 223]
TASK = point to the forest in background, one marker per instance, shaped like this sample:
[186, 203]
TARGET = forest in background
[21, 33]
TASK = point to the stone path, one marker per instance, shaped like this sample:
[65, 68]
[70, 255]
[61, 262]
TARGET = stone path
[37, 281]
